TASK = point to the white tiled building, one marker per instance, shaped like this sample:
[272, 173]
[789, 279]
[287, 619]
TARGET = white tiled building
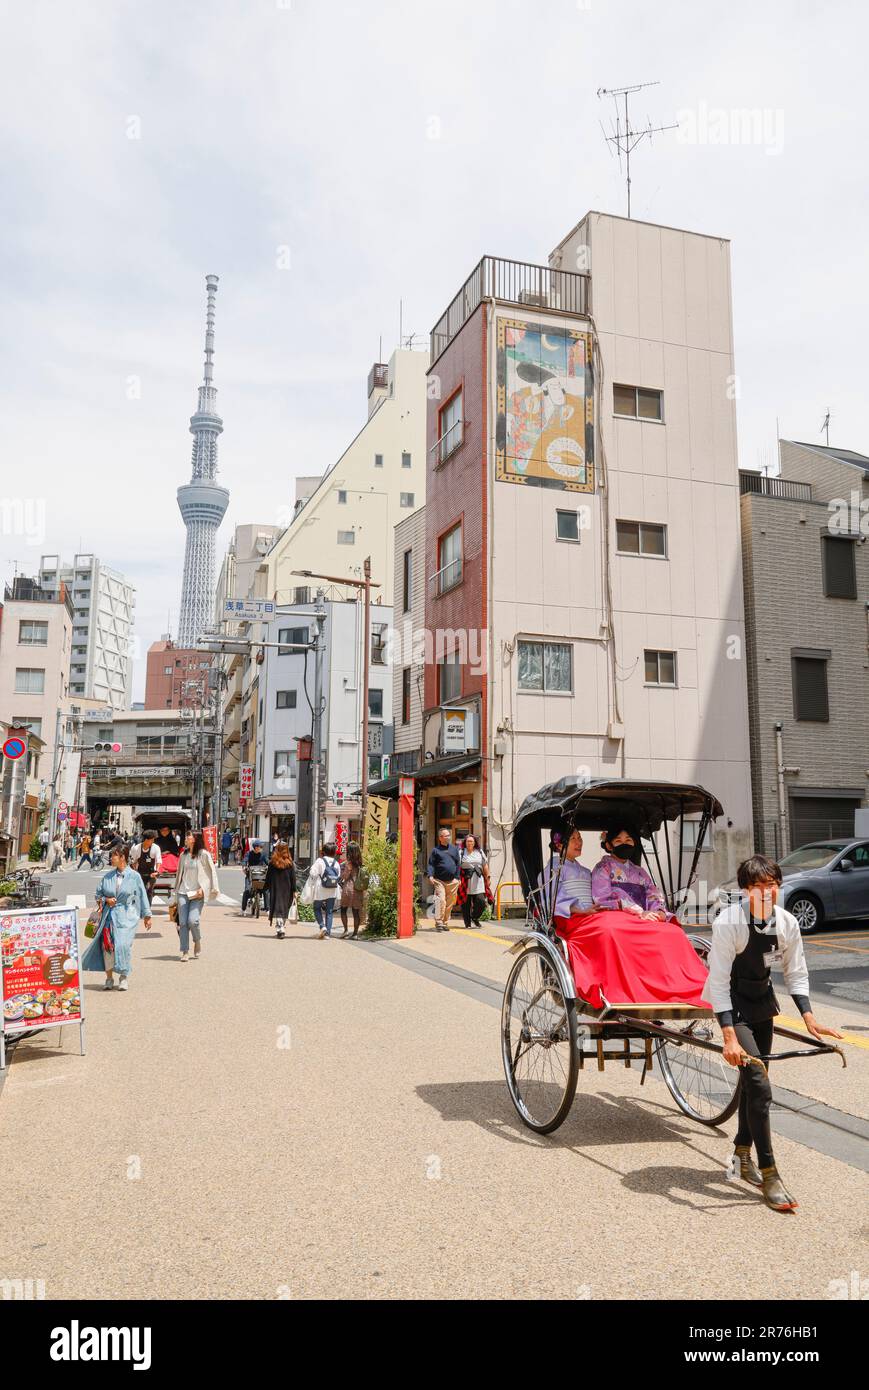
[101, 666]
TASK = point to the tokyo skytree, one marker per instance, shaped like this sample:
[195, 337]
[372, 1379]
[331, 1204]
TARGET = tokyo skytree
[202, 502]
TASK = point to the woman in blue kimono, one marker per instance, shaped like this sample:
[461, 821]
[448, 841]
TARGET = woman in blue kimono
[124, 902]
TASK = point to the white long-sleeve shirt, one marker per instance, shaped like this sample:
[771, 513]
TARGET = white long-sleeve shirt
[729, 939]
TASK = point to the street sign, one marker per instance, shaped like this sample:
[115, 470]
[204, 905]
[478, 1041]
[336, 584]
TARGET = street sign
[245, 783]
[61, 815]
[62, 806]
[14, 747]
[245, 609]
[375, 738]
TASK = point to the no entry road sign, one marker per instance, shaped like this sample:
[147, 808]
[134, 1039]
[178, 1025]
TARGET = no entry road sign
[14, 747]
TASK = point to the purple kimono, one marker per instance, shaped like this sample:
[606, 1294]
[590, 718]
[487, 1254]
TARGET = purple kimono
[617, 881]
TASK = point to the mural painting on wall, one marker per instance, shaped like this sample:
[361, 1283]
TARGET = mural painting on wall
[545, 406]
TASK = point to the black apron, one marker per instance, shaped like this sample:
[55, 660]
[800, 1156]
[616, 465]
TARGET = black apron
[751, 991]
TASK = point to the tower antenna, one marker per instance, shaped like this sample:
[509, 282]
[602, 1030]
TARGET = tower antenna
[622, 134]
[825, 427]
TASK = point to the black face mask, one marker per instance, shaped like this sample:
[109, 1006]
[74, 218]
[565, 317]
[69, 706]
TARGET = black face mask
[623, 851]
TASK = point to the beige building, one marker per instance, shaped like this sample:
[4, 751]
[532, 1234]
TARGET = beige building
[35, 645]
[379, 479]
[806, 564]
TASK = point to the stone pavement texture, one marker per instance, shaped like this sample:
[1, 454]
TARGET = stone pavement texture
[308, 1119]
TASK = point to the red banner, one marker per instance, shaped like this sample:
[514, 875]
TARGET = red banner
[40, 968]
[209, 835]
[340, 838]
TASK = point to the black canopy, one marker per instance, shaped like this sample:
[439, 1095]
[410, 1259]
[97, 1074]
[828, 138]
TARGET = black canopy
[580, 803]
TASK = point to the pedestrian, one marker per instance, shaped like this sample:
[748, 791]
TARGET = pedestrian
[235, 849]
[353, 883]
[85, 848]
[225, 845]
[195, 882]
[97, 861]
[280, 887]
[748, 939]
[326, 882]
[123, 903]
[43, 842]
[56, 853]
[147, 860]
[444, 871]
[474, 867]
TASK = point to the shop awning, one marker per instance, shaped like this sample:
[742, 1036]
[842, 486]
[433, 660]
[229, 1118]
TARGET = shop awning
[434, 774]
[274, 807]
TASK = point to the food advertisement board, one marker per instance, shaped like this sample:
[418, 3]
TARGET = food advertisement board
[40, 969]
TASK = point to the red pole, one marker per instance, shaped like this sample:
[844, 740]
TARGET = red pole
[405, 857]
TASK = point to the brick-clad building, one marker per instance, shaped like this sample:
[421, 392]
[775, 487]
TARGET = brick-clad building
[806, 577]
[176, 677]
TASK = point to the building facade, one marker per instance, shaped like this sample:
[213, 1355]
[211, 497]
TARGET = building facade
[176, 677]
[407, 641]
[806, 576]
[583, 601]
[101, 666]
[379, 479]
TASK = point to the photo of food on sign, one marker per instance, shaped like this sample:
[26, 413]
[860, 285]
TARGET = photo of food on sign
[40, 969]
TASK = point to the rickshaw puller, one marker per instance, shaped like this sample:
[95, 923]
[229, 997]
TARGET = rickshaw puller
[748, 939]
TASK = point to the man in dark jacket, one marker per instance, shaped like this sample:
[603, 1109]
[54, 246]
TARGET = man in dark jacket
[443, 870]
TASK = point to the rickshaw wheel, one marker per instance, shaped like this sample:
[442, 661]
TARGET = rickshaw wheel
[539, 1044]
[702, 1084]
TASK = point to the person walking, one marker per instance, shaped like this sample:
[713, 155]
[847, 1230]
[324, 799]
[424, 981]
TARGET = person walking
[225, 846]
[326, 882]
[123, 903]
[353, 885]
[444, 872]
[43, 842]
[280, 887]
[56, 853]
[252, 859]
[85, 848]
[195, 882]
[235, 849]
[146, 859]
[475, 879]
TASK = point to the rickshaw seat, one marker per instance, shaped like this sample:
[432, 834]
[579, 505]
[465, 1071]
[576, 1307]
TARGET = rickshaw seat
[645, 969]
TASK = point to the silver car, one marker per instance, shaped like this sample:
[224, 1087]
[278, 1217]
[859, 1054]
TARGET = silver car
[825, 881]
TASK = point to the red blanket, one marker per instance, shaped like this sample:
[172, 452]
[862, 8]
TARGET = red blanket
[631, 961]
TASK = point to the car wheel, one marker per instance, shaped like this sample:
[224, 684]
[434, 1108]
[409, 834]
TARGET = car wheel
[808, 912]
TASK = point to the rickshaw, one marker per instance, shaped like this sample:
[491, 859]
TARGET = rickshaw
[548, 1032]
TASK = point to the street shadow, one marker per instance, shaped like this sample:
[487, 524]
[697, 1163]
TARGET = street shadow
[597, 1122]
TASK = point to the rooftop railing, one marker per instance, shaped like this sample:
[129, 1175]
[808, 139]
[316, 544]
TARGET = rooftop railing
[511, 282]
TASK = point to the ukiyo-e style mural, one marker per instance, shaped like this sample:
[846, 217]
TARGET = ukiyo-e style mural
[545, 406]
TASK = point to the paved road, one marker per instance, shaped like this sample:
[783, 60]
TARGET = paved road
[302, 1118]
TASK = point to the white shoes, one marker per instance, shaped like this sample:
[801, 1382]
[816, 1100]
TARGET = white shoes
[109, 984]
[122, 983]
[185, 956]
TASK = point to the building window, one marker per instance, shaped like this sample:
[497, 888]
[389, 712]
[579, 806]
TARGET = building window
[641, 538]
[449, 572]
[342, 496]
[449, 679]
[294, 637]
[32, 634]
[167, 670]
[375, 703]
[690, 831]
[405, 460]
[638, 403]
[34, 725]
[567, 526]
[840, 571]
[450, 428]
[809, 674]
[660, 668]
[286, 699]
[285, 765]
[546, 666]
[378, 460]
[407, 581]
[29, 680]
[346, 537]
[405, 695]
[302, 593]
[378, 643]
[406, 499]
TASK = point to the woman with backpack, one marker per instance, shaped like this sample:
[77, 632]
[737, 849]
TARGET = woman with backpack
[326, 882]
[280, 886]
[353, 885]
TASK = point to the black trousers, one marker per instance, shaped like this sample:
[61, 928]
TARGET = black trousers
[473, 908]
[755, 1092]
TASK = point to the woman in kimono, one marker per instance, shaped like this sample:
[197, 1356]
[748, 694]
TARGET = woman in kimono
[616, 882]
[124, 903]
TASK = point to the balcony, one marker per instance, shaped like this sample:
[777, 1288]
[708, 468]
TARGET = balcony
[378, 377]
[511, 282]
[749, 481]
[447, 577]
[449, 441]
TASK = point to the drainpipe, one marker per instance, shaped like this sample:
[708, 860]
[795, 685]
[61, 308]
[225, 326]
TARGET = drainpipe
[782, 799]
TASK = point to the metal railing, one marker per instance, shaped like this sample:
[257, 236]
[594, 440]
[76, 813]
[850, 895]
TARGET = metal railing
[512, 282]
[448, 442]
[447, 577]
[749, 481]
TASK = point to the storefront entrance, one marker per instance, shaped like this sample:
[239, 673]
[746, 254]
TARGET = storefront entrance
[454, 814]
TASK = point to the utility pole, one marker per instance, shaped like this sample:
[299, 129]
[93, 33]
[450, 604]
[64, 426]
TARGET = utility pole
[624, 137]
[317, 760]
[366, 677]
[55, 773]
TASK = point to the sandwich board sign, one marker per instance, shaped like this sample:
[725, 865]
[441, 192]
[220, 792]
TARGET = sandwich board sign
[40, 972]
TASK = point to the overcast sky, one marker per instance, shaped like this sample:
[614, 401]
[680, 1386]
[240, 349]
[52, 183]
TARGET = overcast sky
[387, 146]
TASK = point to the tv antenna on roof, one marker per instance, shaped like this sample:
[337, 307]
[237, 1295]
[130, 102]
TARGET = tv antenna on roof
[825, 427]
[622, 134]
